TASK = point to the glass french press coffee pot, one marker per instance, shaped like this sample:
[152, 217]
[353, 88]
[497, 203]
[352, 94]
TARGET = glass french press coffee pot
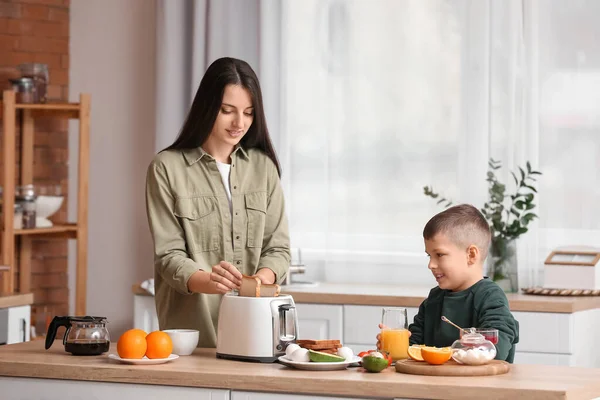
[85, 336]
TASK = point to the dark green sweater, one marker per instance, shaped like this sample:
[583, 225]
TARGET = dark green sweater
[483, 305]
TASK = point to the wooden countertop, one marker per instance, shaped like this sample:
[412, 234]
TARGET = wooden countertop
[16, 300]
[401, 296]
[202, 369]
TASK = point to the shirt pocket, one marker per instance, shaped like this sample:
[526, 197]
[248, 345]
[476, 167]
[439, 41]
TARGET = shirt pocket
[256, 210]
[200, 221]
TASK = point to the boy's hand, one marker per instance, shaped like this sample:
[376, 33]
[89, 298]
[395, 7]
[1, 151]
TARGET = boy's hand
[378, 337]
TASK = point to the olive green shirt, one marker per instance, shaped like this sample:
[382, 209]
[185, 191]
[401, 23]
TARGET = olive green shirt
[191, 225]
[483, 305]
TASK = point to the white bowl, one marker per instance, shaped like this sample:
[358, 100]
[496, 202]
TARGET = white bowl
[46, 206]
[184, 340]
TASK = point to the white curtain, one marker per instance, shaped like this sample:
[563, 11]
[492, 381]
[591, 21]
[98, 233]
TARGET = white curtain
[369, 101]
[545, 108]
[567, 87]
[191, 34]
[380, 98]
[374, 108]
[513, 131]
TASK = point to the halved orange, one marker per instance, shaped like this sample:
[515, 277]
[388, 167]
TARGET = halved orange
[435, 355]
[414, 352]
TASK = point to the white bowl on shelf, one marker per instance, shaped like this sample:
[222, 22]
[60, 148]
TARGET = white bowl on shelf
[45, 207]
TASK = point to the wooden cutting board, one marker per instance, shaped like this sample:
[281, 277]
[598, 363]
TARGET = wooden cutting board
[452, 368]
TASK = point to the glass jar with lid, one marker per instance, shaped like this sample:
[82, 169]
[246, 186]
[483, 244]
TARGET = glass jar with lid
[25, 90]
[26, 197]
[38, 73]
[18, 219]
[473, 349]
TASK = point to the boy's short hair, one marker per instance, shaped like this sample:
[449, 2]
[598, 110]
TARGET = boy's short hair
[464, 225]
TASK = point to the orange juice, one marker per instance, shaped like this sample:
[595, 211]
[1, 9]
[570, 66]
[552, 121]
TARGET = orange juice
[395, 343]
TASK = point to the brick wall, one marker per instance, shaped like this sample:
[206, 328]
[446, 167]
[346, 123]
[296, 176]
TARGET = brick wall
[38, 31]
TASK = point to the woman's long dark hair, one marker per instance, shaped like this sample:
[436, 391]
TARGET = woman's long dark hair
[207, 103]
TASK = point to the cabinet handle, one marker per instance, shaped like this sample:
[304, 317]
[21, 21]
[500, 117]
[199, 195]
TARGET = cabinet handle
[24, 326]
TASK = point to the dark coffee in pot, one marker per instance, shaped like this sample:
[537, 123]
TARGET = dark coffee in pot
[87, 348]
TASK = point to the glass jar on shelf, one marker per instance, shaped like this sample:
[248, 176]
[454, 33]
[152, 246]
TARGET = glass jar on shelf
[39, 75]
[25, 90]
[18, 220]
[26, 197]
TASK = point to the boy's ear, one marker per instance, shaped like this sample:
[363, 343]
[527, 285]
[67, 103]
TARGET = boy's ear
[472, 254]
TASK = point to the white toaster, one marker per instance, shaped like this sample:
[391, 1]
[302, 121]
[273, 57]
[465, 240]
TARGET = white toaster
[255, 328]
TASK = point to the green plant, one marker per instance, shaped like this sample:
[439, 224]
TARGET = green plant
[508, 216]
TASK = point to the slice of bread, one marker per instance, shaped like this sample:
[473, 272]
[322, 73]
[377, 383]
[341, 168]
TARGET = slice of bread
[319, 344]
[252, 286]
[267, 290]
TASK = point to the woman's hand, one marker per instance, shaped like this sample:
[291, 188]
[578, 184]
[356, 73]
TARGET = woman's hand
[266, 276]
[223, 279]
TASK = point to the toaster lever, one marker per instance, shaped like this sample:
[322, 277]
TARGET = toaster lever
[287, 325]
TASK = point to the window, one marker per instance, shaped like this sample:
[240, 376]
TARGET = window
[372, 112]
[380, 98]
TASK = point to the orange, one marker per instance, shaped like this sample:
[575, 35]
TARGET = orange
[435, 355]
[159, 345]
[414, 352]
[140, 331]
[132, 344]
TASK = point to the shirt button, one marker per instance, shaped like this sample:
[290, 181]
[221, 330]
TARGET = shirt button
[237, 237]
[236, 213]
[238, 262]
[232, 165]
[235, 187]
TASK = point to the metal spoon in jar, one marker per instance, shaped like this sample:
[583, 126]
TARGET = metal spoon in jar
[454, 325]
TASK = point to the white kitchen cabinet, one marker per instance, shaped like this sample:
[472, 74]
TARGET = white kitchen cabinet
[558, 339]
[15, 324]
[545, 332]
[239, 395]
[320, 321]
[54, 389]
[144, 313]
[522, 357]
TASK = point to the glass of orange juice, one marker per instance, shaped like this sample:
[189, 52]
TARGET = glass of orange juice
[394, 334]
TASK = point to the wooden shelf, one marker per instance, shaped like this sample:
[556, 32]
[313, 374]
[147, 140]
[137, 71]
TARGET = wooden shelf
[64, 228]
[20, 240]
[67, 110]
[48, 106]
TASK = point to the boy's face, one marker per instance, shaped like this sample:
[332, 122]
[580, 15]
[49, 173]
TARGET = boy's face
[453, 267]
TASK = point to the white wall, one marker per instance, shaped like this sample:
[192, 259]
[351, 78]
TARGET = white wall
[112, 51]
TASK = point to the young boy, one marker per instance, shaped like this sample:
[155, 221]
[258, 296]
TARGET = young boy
[457, 242]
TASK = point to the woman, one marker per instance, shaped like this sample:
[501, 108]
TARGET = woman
[215, 204]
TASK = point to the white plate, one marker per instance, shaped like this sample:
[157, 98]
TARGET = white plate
[318, 366]
[145, 360]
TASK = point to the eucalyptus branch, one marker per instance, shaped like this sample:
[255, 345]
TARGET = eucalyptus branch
[506, 223]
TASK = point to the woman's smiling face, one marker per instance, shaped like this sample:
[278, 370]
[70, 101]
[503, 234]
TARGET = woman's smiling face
[234, 118]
